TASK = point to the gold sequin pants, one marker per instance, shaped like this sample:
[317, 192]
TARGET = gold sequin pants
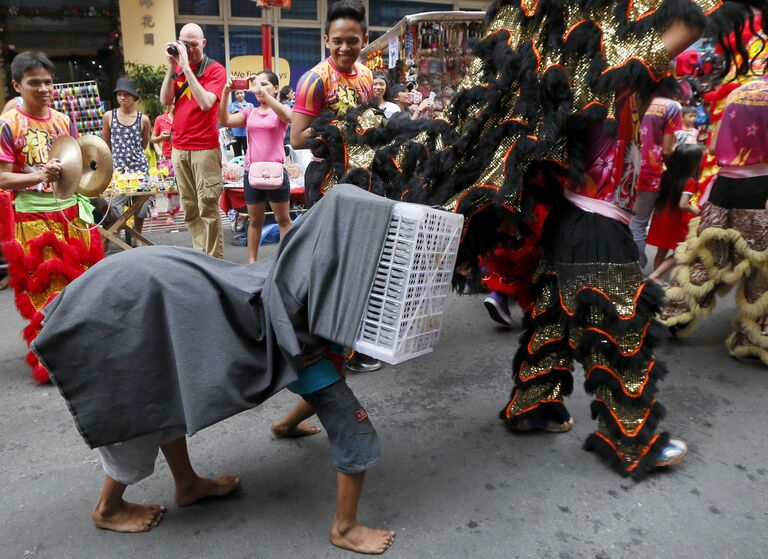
[601, 315]
[725, 247]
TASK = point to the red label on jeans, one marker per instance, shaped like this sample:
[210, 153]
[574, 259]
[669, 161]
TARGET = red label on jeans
[360, 414]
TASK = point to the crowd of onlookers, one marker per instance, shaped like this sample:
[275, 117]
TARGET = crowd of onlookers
[201, 102]
[186, 138]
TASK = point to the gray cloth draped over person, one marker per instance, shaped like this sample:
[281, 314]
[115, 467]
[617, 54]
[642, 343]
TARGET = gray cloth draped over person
[163, 337]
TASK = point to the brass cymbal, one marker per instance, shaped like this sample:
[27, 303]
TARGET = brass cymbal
[65, 149]
[97, 166]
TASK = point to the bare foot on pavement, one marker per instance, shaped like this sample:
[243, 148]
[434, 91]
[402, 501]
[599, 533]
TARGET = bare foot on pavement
[128, 517]
[205, 487]
[303, 429]
[362, 539]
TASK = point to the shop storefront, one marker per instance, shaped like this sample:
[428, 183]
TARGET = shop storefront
[430, 51]
[82, 38]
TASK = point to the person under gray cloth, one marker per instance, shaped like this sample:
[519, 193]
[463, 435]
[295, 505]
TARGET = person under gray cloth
[218, 338]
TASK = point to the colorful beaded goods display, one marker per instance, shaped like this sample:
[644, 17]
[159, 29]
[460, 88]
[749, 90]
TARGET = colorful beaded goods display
[548, 114]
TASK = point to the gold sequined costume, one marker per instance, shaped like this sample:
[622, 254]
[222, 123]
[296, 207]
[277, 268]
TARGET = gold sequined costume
[547, 107]
[592, 305]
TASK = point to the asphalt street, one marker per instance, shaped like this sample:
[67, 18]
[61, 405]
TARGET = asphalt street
[453, 483]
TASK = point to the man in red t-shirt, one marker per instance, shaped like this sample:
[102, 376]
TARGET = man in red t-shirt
[193, 83]
[662, 119]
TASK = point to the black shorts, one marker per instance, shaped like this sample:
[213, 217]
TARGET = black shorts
[741, 194]
[353, 439]
[258, 196]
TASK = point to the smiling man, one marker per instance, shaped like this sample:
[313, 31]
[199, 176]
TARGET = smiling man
[339, 82]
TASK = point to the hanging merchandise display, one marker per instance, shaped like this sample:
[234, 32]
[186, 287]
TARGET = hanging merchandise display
[81, 102]
[430, 51]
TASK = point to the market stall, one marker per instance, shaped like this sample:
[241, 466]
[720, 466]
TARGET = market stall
[430, 50]
[139, 188]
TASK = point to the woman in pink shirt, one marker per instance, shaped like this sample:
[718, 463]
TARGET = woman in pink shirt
[265, 126]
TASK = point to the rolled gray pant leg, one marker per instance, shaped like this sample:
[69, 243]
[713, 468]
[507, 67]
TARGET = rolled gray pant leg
[131, 461]
[638, 225]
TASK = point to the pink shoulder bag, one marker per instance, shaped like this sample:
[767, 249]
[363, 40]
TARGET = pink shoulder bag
[265, 175]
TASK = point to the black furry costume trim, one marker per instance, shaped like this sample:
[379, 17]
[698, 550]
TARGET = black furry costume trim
[648, 303]
[598, 376]
[512, 97]
[645, 466]
[598, 340]
[546, 411]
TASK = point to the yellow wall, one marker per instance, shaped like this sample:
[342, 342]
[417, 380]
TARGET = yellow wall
[132, 23]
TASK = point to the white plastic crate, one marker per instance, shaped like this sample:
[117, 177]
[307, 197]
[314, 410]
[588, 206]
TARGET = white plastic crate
[404, 311]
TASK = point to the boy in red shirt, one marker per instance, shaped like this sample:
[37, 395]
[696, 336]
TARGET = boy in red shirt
[162, 132]
[162, 135]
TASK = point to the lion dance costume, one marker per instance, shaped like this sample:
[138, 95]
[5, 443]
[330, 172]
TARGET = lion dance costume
[547, 114]
[52, 244]
[728, 243]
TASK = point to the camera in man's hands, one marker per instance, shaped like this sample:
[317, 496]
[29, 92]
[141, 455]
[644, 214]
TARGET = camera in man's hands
[173, 48]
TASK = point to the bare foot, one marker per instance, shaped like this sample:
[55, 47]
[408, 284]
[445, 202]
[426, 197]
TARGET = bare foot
[205, 487]
[362, 539]
[128, 517]
[303, 429]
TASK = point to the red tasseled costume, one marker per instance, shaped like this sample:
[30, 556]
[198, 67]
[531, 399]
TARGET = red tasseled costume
[510, 271]
[32, 273]
[6, 216]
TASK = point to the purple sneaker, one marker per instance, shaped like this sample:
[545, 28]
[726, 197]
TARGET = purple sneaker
[498, 309]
